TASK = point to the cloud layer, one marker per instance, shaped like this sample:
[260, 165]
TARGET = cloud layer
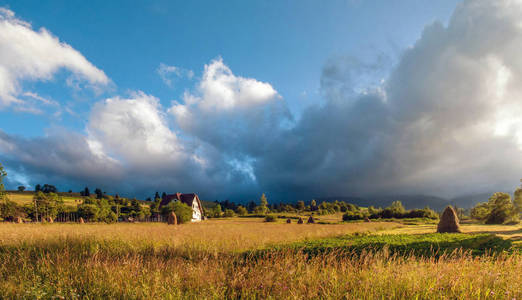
[446, 121]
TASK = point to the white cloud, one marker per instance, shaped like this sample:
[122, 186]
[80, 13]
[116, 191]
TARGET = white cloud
[220, 89]
[134, 129]
[169, 73]
[232, 113]
[29, 55]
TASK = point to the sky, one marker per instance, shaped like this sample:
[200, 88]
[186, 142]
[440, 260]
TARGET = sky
[296, 99]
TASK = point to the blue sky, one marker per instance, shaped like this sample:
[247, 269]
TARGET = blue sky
[292, 98]
[285, 43]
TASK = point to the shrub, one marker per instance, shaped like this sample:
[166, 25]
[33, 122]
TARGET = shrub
[352, 216]
[270, 218]
[229, 213]
[241, 210]
[182, 211]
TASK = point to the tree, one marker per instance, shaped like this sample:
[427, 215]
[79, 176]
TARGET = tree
[21, 188]
[89, 211]
[48, 188]
[263, 205]
[517, 200]
[86, 192]
[263, 201]
[480, 211]
[37, 188]
[183, 212]
[397, 207]
[8, 209]
[501, 208]
[241, 210]
[229, 213]
[99, 193]
[216, 212]
[301, 205]
[251, 206]
[3, 174]
[313, 205]
[47, 205]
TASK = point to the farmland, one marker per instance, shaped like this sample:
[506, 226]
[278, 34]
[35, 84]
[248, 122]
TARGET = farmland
[249, 258]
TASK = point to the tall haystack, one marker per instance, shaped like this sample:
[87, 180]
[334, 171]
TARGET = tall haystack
[288, 221]
[300, 221]
[81, 221]
[172, 219]
[50, 220]
[449, 222]
[311, 220]
[19, 220]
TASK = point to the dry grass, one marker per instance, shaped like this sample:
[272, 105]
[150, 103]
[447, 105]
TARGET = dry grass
[200, 261]
[224, 235]
[23, 199]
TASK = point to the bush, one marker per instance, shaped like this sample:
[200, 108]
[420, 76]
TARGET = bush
[241, 210]
[352, 216]
[183, 212]
[229, 213]
[270, 218]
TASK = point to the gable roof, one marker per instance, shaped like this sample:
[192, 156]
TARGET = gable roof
[188, 199]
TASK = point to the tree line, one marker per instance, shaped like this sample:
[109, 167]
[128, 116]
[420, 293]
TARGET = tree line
[98, 206]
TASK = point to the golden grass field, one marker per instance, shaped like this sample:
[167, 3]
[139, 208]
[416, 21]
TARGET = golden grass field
[223, 235]
[25, 198]
[206, 261]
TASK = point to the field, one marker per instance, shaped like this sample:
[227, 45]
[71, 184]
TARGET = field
[23, 198]
[249, 259]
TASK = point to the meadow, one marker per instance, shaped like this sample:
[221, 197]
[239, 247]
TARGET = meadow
[250, 259]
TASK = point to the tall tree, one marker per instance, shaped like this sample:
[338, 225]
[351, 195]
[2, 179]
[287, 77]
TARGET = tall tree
[8, 209]
[263, 205]
[3, 174]
[99, 193]
[517, 200]
[313, 205]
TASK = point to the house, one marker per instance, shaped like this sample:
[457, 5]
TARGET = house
[191, 200]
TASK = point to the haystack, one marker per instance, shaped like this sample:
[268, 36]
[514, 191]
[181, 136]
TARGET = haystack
[449, 222]
[288, 221]
[50, 220]
[81, 221]
[300, 221]
[19, 220]
[311, 220]
[366, 219]
[172, 219]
